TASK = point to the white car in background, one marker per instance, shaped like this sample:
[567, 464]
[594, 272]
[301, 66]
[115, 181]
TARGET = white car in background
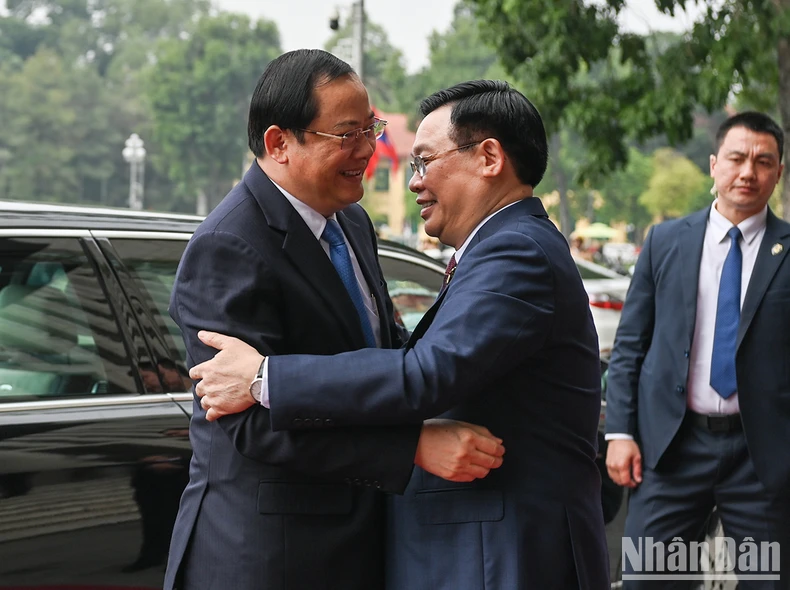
[606, 290]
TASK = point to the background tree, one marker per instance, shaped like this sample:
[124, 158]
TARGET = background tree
[199, 94]
[676, 187]
[384, 70]
[737, 48]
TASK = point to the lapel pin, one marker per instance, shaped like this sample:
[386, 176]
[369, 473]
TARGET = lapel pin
[777, 249]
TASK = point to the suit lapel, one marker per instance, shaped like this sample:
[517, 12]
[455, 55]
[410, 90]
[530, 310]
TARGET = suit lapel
[690, 254]
[528, 206]
[305, 252]
[765, 266]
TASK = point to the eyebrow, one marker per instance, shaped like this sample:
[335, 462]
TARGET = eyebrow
[350, 122]
[744, 155]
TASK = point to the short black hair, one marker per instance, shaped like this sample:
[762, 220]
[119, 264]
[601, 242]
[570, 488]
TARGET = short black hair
[285, 93]
[755, 121]
[492, 108]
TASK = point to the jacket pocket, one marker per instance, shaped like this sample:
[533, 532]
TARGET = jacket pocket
[459, 506]
[279, 497]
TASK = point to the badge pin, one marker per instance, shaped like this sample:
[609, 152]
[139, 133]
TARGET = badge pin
[777, 249]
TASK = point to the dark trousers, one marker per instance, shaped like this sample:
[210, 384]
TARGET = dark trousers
[702, 470]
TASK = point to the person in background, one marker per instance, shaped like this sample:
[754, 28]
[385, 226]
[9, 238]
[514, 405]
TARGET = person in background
[698, 399]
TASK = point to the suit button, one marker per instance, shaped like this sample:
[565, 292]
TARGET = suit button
[308, 422]
[377, 484]
[686, 353]
[681, 389]
[357, 482]
[328, 422]
[317, 422]
[297, 421]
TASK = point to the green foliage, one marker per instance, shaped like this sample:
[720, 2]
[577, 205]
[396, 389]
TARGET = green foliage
[383, 66]
[583, 71]
[676, 187]
[57, 138]
[199, 95]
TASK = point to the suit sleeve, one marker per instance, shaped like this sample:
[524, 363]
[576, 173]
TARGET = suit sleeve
[497, 313]
[634, 334]
[223, 285]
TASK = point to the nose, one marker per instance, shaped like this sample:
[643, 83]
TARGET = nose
[747, 169]
[415, 182]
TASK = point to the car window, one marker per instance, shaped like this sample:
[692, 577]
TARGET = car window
[58, 336]
[589, 270]
[412, 287]
[154, 263]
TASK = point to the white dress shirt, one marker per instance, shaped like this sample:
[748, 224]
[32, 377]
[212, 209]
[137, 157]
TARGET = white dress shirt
[317, 222]
[701, 397]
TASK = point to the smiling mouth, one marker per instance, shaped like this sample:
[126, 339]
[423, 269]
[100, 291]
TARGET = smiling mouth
[352, 173]
[426, 204]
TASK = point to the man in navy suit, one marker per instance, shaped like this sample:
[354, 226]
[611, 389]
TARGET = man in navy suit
[509, 343]
[298, 510]
[698, 402]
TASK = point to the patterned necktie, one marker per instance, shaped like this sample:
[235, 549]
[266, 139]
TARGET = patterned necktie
[341, 259]
[728, 315]
[449, 272]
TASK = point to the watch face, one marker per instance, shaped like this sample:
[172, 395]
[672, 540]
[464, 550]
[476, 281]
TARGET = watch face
[255, 390]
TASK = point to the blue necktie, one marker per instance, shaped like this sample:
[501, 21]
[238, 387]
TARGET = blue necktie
[728, 315]
[341, 259]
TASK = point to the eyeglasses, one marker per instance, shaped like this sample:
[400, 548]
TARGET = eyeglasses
[351, 138]
[419, 162]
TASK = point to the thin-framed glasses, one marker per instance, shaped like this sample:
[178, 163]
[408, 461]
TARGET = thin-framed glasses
[372, 133]
[419, 162]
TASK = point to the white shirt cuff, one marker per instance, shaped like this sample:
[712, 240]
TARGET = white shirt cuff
[265, 383]
[607, 436]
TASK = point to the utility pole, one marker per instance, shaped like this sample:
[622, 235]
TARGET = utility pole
[359, 39]
[352, 49]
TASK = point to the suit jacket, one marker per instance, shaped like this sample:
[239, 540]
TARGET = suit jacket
[280, 510]
[511, 345]
[646, 395]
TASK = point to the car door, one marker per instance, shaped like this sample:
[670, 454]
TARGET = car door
[93, 451]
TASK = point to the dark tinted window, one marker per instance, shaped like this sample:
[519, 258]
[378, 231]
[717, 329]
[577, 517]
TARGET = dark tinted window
[154, 263]
[58, 336]
[413, 288]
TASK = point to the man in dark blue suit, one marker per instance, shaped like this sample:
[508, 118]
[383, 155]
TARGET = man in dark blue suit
[509, 344]
[298, 510]
[698, 402]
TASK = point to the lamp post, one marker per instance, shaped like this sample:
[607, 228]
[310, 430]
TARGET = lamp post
[352, 49]
[134, 153]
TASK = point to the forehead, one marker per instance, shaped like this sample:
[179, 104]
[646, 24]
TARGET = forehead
[744, 140]
[433, 131]
[342, 101]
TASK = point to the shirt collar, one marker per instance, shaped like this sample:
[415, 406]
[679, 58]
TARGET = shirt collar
[750, 227]
[314, 220]
[460, 251]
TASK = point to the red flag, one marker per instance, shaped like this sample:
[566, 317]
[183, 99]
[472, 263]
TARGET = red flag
[385, 147]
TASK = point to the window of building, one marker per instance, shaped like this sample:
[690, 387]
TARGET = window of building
[382, 179]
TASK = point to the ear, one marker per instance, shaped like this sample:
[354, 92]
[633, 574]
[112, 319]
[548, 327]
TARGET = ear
[493, 157]
[276, 144]
[712, 164]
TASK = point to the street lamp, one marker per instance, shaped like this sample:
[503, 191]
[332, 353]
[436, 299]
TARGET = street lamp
[352, 49]
[134, 153]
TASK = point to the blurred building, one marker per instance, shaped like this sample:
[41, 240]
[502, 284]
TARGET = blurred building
[388, 177]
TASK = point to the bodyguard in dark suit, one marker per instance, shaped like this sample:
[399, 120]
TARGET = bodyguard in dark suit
[278, 510]
[509, 343]
[698, 403]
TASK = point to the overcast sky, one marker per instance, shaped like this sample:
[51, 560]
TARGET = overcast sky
[305, 23]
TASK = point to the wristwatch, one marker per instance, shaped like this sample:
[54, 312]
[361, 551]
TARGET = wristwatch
[257, 383]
